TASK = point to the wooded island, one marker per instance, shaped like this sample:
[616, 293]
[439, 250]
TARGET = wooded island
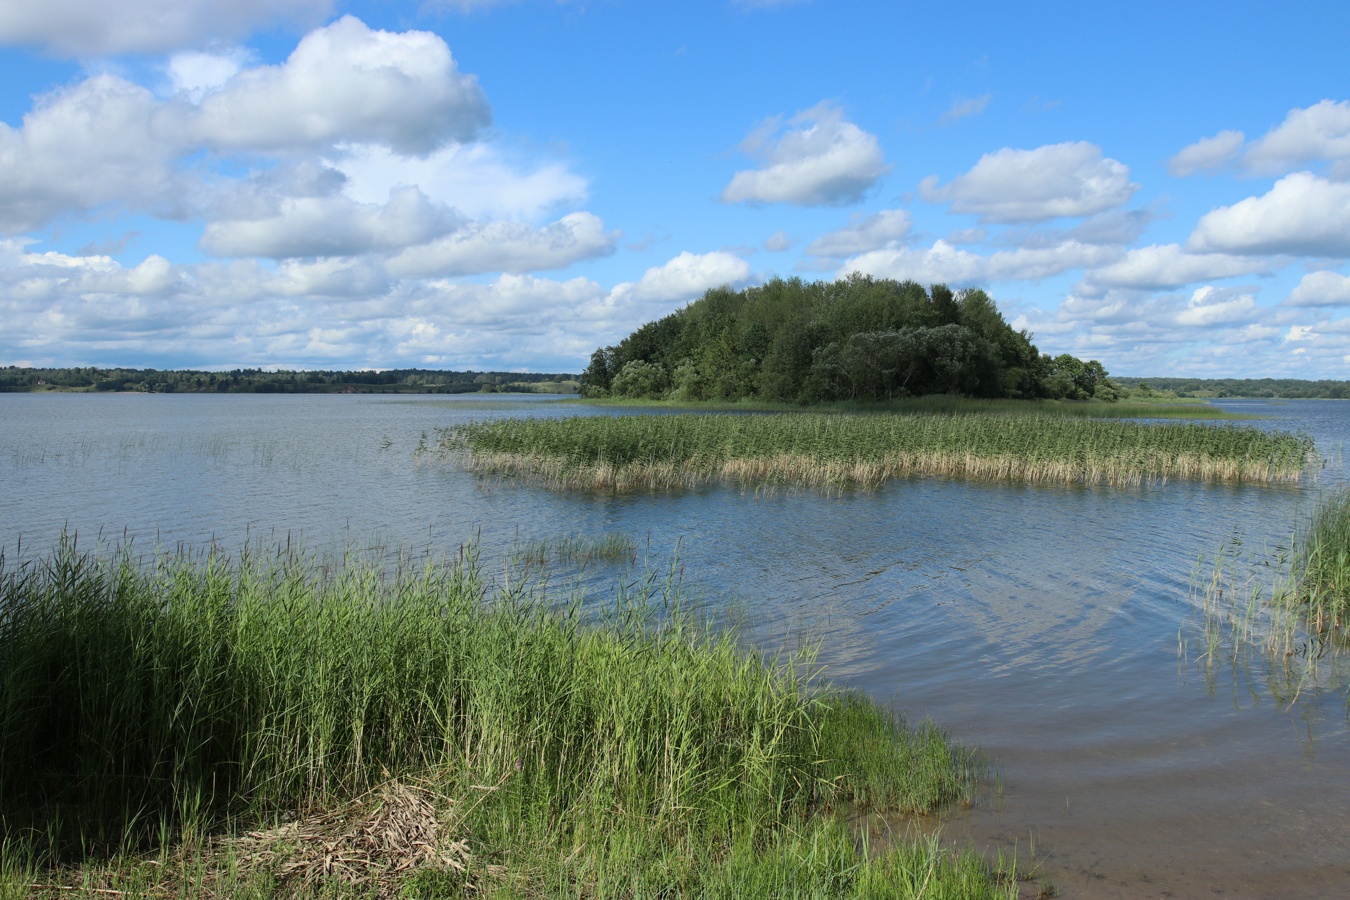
[859, 338]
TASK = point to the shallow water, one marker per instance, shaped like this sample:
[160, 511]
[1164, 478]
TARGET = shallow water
[1053, 627]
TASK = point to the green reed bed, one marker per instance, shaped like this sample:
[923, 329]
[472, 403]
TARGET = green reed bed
[828, 451]
[949, 404]
[1322, 564]
[274, 724]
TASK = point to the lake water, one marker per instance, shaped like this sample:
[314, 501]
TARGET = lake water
[1056, 628]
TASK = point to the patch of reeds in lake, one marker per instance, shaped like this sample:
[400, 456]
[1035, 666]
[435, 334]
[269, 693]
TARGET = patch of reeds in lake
[272, 724]
[1323, 564]
[826, 451]
[1281, 614]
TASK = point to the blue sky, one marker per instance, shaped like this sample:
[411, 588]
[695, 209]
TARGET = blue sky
[508, 184]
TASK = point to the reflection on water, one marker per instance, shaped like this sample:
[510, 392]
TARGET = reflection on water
[1054, 627]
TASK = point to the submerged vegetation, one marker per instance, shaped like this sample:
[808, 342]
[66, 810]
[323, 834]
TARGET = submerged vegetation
[200, 725]
[1283, 612]
[858, 338]
[830, 451]
[573, 550]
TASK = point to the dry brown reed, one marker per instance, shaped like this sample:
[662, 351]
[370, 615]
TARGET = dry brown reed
[372, 843]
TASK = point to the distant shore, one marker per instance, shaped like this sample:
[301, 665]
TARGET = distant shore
[16, 379]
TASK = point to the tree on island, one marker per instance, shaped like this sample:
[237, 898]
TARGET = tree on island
[858, 338]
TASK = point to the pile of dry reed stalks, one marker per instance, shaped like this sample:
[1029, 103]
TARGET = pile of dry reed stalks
[373, 842]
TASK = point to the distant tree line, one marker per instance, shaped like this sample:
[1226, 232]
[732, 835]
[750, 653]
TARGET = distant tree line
[1283, 388]
[853, 339]
[422, 381]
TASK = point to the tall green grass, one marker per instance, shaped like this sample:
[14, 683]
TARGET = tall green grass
[142, 699]
[1323, 564]
[815, 450]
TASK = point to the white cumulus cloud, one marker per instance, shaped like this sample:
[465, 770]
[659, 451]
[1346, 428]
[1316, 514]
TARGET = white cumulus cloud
[365, 97]
[507, 247]
[329, 277]
[332, 225]
[1057, 180]
[1210, 332]
[1211, 306]
[473, 178]
[516, 302]
[1320, 132]
[1207, 155]
[1161, 266]
[863, 234]
[1320, 289]
[97, 28]
[101, 141]
[347, 83]
[52, 273]
[194, 74]
[945, 263]
[1302, 215]
[685, 277]
[817, 159]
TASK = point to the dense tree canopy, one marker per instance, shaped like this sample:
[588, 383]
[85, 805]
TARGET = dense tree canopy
[857, 338]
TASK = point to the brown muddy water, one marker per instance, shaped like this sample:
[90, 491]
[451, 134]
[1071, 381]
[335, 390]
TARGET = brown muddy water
[1058, 629]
